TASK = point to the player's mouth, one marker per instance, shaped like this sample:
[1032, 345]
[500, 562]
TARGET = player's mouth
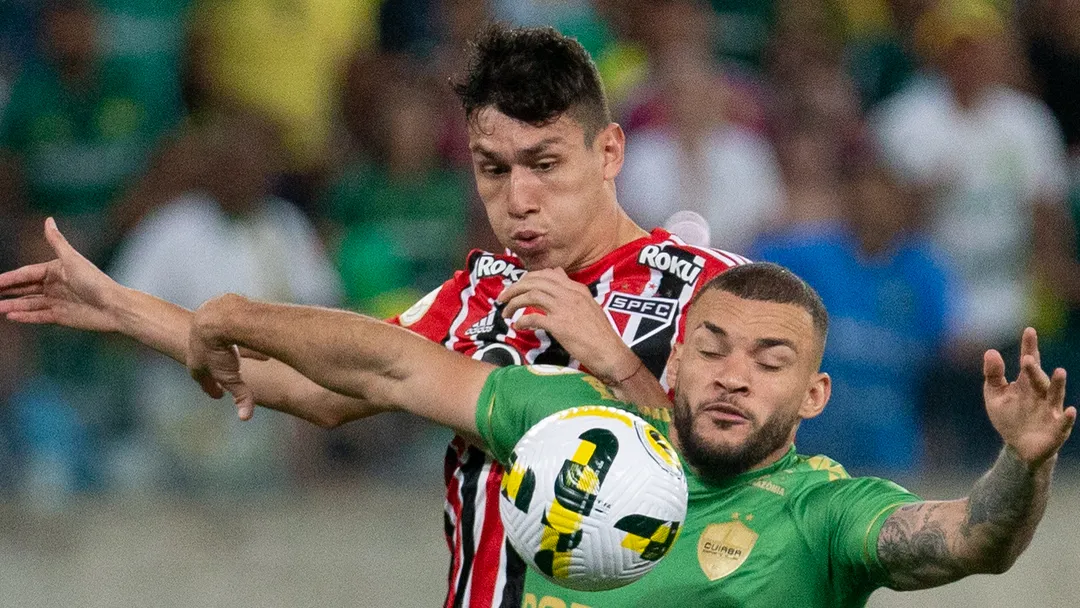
[725, 414]
[528, 241]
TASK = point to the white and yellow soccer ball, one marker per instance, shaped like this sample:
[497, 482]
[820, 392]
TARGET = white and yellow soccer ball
[593, 497]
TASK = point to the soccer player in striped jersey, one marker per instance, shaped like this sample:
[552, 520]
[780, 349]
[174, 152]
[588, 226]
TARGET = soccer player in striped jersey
[545, 156]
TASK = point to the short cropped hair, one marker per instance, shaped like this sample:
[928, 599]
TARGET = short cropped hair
[768, 282]
[535, 75]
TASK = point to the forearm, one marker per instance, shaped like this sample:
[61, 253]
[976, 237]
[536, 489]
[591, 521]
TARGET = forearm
[1004, 508]
[165, 327]
[153, 322]
[280, 387]
[936, 542]
[379, 365]
[642, 389]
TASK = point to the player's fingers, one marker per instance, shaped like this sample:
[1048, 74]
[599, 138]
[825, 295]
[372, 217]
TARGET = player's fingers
[1029, 345]
[26, 275]
[1034, 374]
[36, 317]
[57, 240]
[1068, 421]
[24, 304]
[533, 298]
[208, 384]
[1056, 394]
[533, 321]
[245, 411]
[244, 399]
[994, 369]
[23, 290]
[527, 283]
[247, 353]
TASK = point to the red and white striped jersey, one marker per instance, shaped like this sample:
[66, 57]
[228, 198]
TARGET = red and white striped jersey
[643, 287]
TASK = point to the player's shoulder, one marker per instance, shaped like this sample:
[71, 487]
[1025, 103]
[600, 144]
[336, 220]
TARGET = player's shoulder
[823, 481]
[668, 253]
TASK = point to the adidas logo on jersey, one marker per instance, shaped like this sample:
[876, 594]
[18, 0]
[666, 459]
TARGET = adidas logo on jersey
[687, 270]
[488, 266]
[484, 325]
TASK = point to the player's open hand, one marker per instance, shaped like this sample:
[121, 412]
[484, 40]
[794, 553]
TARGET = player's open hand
[571, 315]
[215, 363]
[1029, 412]
[68, 290]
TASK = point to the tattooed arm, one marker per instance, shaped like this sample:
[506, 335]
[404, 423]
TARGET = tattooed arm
[936, 542]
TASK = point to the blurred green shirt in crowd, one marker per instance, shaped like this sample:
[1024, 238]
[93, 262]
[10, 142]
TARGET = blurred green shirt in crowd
[76, 148]
[402, 237]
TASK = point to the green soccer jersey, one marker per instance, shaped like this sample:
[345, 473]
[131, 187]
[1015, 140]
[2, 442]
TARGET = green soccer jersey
[799, 532]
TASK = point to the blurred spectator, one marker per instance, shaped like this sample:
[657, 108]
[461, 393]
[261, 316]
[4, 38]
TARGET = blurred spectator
[695, 158]
[991, 156]
[1054, 50]
[992, 159]
[227, 236]
[744, 29]
[76, 128]
[877, 56]
[283, 59]
[401, 213]
[888, 295]
[576, 18]
[662, 35]
[145, 38]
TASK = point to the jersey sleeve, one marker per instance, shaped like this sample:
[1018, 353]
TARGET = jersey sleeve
[846, 516]
[514, 398]
[433, 315]
[855, 510]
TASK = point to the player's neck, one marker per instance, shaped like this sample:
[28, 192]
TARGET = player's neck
[604, 241]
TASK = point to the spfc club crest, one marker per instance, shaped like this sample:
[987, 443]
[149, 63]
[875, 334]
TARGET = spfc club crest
[645, 317]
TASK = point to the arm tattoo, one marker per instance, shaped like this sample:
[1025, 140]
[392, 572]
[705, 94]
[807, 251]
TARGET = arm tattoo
[914, 546]
[1003, 497]
[932, 543]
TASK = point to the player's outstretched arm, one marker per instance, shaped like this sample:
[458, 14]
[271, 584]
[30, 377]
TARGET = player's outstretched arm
[572, 316]
[379, 365]
[70, 291]
[932, 543]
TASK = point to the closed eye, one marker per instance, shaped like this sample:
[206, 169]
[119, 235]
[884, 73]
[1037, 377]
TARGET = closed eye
[544, 166]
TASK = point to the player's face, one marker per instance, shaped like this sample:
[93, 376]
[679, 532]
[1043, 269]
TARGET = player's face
[744, 378]
[550, 196]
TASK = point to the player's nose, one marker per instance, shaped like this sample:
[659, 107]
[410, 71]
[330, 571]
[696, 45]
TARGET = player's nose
[522, 193]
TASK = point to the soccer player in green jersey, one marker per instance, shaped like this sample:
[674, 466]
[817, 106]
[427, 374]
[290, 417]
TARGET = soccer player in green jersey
[765, 527]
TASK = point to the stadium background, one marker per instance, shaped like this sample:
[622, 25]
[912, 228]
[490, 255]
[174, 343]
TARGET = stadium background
[311, 151]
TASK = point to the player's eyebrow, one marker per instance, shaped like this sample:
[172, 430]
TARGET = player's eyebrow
[537, 149]
[715, 329]
[764, 343]
[759, 345]
[488, 154]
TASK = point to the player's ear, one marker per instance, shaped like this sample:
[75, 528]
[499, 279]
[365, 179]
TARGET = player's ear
[611, 140]
[817, 395]
[673, 364]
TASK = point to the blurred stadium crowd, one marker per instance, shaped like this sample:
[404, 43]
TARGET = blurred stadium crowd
[917, 161]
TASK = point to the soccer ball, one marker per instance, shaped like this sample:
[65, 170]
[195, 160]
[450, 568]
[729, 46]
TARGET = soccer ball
[593, 497]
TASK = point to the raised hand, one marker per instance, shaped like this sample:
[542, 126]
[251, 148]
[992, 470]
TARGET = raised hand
[572, 316]
[215, 363]
[68, 290]
[1029, 412]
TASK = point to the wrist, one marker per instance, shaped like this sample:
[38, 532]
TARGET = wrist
[215, 320]
[1028, 462]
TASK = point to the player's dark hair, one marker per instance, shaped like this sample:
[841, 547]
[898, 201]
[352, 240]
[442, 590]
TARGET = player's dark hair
[535, 75]
[768, 282]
